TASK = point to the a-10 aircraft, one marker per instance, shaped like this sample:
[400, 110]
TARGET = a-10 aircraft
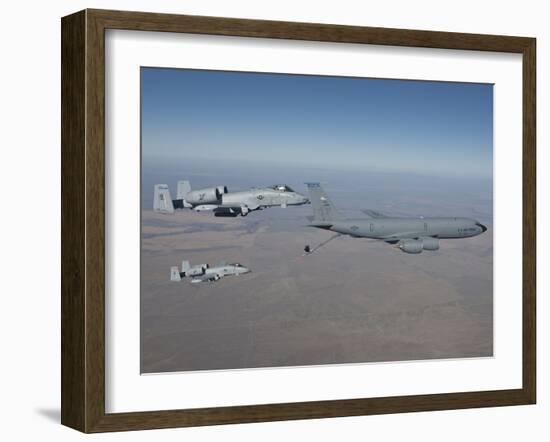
[204, 273]
[223, 203]
[411, 235]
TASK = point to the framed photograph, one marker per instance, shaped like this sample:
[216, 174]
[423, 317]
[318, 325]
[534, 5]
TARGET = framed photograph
[269, 220]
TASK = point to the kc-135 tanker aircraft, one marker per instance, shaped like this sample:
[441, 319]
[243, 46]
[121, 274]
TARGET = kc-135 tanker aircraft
[205, 273]
[411, 235]
[223, 203]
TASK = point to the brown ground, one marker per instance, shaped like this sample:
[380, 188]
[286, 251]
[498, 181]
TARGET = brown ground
[352, 301]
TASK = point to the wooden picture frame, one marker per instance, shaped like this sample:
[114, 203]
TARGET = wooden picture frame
[83, 220]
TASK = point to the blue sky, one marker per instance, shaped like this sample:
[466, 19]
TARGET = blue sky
[422, 127]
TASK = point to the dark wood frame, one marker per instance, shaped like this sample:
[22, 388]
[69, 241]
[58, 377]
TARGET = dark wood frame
[83, 217]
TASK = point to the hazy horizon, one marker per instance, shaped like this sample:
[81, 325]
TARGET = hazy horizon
[354, 189]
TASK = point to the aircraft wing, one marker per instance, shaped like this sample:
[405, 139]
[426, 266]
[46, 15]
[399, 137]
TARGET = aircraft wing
[402, 235]
[374, 213]
[206, 278]
[227, 211]
[233, 211]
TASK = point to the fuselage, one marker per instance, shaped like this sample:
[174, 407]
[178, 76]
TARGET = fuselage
[204, 273]
[263, 197]
[398, 228]
[229, 269]
[218, 272]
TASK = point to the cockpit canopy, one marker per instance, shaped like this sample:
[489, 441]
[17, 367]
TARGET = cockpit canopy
[281, 188]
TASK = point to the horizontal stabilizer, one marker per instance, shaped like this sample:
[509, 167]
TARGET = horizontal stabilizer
[178, 204]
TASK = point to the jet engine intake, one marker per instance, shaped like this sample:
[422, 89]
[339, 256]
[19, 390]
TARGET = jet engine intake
[430, 243]
[410, 245]
[204, 196]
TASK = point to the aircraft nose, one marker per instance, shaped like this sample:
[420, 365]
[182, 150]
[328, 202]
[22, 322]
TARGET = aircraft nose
[483, 228]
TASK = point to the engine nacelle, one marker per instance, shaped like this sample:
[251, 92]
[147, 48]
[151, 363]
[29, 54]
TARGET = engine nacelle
[430, 243]
[204, 196]
[410, 245]
[222, 189]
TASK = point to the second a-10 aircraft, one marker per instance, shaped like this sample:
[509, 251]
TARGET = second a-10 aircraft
[222, 202]
[205, 273]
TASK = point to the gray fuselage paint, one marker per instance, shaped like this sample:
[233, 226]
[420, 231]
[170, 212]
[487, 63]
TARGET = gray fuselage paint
[398, 228]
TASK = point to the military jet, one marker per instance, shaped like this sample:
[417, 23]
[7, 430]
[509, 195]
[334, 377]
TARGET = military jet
[204, 273]
[410, 235]
[221, 202]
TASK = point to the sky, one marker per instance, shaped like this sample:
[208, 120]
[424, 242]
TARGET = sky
[339, 123]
